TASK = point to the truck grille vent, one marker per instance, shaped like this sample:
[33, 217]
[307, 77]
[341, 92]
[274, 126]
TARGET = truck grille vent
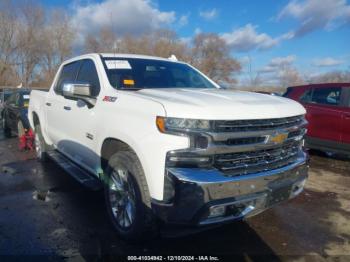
[234, 164]
[245, 141]
[257, 125]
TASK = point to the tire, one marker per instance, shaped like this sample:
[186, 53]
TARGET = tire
[40, 145]
[127, 198]
[20, 129]
[7, 129]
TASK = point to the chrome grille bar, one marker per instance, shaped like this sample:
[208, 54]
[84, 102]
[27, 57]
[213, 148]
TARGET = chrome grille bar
[256, 125]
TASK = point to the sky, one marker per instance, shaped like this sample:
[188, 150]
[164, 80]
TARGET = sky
[311, 35]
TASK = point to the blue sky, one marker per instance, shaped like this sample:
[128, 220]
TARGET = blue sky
[311, 35]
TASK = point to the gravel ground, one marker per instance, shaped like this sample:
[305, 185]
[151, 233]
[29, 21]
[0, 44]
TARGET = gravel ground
[43, 211]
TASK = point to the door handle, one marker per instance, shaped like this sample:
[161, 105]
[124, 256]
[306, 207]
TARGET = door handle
[347, 116]
[48, 104]
[67, 108]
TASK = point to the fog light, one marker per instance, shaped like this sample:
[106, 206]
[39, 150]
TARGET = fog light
[217, 211]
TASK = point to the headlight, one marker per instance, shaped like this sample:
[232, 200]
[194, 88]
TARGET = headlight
[166, 124]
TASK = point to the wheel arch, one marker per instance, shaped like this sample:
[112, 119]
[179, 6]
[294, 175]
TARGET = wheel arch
[110, 146]
[35, 119]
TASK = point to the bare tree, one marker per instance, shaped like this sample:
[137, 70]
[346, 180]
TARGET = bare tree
[31, 25]
[35, 41]
[57, 43]
[8, 47]
[212, 56]
[103, 41]
[289, 76]
[332, 77]
[166, 43]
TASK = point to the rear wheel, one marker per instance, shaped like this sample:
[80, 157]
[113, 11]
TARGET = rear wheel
[40, 145]
[7, 129]
[127, 197]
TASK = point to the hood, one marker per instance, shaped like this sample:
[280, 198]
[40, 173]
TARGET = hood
[221, 104]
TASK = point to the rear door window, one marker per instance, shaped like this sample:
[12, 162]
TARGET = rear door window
[326, 96]
[68, 74]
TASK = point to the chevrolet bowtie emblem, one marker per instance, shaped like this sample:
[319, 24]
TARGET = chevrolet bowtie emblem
[279, 138]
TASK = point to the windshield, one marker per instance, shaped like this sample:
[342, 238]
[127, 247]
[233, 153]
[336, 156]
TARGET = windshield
[136, 73]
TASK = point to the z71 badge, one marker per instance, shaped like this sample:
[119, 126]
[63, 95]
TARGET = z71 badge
[109, 99]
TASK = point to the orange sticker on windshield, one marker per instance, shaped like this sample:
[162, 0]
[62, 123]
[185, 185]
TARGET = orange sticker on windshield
[128, 82]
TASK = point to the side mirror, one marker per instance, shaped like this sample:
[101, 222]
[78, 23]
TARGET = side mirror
[80, 91]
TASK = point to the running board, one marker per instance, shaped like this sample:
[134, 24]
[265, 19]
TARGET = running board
[81, 175]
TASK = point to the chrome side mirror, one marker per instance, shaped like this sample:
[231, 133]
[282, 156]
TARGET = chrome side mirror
[80, 91]
[76, 89]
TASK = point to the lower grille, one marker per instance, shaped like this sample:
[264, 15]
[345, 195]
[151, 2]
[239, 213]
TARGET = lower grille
[235, 164]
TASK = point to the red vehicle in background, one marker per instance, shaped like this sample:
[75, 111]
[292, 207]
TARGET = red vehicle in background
[328, 113]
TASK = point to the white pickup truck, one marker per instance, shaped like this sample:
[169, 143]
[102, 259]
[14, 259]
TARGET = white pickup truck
[167, 143]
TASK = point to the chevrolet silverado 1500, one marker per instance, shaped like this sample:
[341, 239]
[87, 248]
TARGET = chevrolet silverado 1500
[167, 143]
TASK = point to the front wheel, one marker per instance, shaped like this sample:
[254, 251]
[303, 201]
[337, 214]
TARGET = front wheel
[40, 145]
[20, 129]
[127, 197]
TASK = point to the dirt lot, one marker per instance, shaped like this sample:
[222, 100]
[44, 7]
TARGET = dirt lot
[43, 211]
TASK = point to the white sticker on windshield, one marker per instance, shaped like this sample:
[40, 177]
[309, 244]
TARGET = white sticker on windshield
[26, 96]
[117, 64]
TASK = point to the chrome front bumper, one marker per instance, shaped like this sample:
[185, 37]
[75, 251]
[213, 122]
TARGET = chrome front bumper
[197, 191]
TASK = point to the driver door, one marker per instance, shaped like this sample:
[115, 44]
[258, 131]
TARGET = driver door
[79, 123]
[57, 118]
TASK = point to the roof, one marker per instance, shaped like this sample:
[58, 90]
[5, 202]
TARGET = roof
[320, 85]
[134, 56]
[116, 55]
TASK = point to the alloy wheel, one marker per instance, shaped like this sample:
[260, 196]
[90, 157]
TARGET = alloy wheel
[38, 145]
[122, 198]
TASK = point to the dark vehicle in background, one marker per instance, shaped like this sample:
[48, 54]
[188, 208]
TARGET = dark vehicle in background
[15, 113]
[4, 95]
[328, 113]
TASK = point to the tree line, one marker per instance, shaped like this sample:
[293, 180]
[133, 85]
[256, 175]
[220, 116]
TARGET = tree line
[34, 41]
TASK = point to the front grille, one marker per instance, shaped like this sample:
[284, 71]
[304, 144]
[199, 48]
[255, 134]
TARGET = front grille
[257, 125]
[242, 147]
[234, 164]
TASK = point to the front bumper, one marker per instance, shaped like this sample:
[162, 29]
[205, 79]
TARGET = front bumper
[198, 191]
